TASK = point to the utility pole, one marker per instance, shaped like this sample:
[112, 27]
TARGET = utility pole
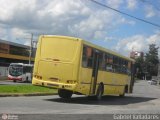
[158, 75]
[30, 51]
[34, 44]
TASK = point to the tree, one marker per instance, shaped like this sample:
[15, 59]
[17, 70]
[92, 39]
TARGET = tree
[151, 60]
[140, 67]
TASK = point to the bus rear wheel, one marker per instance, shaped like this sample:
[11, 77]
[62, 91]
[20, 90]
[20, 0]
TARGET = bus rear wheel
[124, 90]
[64, 93]
[14, 81]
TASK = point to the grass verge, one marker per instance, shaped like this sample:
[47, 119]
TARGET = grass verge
[25, 89]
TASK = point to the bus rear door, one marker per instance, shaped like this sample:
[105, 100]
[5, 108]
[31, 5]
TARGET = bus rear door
[94, 72]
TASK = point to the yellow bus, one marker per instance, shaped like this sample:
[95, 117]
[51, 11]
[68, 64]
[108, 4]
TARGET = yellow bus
[75, 66]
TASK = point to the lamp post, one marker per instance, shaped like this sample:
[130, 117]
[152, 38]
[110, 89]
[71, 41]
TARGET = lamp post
[30, 51]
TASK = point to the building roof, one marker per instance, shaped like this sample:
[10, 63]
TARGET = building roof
[14, 44]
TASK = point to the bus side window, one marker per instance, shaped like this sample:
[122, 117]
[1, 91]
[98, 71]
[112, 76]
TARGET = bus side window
[116, 62]
[84, 57]
[102, 61]
[27, 69]
[129, 68]
[87, 58]
[124, 68]
[24, 69]
[109, 62]
[121, 65]
[126, 64]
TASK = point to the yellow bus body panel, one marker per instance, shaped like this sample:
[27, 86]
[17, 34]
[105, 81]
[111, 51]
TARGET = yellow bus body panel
[53, 65]
[58, 64]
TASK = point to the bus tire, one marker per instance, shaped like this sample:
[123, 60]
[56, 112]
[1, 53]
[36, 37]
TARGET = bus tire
[64, 93]
[27, 80]
[14, 81]
[99, 92]
[124, 91]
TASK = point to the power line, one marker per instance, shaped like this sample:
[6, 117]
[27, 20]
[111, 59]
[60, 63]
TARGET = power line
[151, 23]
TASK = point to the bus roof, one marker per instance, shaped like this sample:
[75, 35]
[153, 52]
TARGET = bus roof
[92, 45]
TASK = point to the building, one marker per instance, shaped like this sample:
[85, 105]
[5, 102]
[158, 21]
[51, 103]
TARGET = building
[136, 54]
[11, 52]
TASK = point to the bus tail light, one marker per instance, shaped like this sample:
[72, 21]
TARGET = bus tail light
[71, 81]
[38, 77]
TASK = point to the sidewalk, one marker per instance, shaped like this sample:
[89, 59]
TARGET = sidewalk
[9, 82]
[3, 78]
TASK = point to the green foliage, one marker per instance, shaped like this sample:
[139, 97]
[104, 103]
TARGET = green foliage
[140, 65]
[25, 89]
[151, 60]
[152, 55]
[149, 64]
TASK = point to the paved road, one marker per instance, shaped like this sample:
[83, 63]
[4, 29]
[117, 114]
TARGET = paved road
[145, 99]
[9, 82]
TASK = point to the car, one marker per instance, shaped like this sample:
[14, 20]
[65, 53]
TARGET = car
[152, 82]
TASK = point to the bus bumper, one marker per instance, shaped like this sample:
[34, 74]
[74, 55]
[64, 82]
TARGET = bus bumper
[15, 78]
[53, 84]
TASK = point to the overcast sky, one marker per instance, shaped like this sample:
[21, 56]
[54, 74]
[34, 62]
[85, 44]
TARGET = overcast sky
[84, 19]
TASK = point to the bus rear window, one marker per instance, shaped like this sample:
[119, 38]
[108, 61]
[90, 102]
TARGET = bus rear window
[58, 48]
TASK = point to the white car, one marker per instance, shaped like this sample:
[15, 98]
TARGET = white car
[152, 82]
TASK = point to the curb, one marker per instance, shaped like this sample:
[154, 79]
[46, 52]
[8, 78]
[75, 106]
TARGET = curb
[27, 94]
